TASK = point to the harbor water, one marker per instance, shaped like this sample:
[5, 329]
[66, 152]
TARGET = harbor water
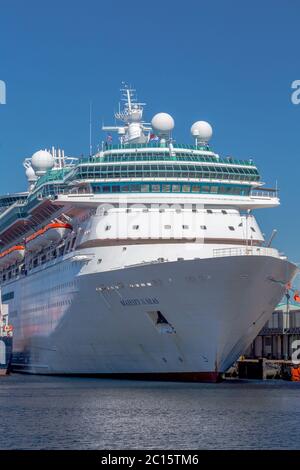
[38, 412]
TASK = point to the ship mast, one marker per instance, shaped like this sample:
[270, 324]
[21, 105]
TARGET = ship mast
[134, 129]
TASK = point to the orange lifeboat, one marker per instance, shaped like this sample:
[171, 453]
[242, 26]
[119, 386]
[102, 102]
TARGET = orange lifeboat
[295, 374]
[13, 255]
[297, 296]
[50, 234]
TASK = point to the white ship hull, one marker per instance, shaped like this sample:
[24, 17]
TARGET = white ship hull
[69, 321]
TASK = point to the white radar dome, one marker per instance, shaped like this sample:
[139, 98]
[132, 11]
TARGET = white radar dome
[42, 161]
[202, 131]
[162, 123]
[30, 174]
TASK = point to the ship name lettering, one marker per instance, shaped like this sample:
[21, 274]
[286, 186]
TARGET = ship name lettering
[144, 301]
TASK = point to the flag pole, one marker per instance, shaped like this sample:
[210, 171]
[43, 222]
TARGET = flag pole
[91, 147]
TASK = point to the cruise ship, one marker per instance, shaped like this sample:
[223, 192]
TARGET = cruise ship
[142, 260]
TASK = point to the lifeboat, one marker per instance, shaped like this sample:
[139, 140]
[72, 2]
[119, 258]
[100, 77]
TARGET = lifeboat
[297, 296]
[50, 234]
[13, 255]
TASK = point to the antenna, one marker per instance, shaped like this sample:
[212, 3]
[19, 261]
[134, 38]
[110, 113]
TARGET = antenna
[133, 128]
[128, 99]
[91, 147]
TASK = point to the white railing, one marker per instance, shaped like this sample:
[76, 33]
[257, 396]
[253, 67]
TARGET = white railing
[245, 251]
[261, 192]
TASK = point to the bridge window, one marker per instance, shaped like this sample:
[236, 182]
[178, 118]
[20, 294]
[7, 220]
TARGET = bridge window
[8, 296]
[222, 189]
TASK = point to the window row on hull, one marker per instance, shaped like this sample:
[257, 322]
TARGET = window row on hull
[39, 259]
[171, 188]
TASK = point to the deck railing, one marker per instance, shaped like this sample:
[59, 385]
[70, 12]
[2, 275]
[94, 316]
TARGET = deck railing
[264, 192]
[245, 251]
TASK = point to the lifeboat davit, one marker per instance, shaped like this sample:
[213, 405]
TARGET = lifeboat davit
[13, 255]
[50, 234]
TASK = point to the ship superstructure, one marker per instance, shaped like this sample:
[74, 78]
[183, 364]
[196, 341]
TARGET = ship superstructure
[142, 259]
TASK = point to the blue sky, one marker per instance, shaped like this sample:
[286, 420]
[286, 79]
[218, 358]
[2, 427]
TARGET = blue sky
[229, 62]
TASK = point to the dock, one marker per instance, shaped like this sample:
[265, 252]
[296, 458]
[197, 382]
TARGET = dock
[6, 340]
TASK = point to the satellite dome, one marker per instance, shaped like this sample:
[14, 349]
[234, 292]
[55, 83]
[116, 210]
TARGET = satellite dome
[162, 123]
[30, 174]
[42, 161]
[202, 130]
